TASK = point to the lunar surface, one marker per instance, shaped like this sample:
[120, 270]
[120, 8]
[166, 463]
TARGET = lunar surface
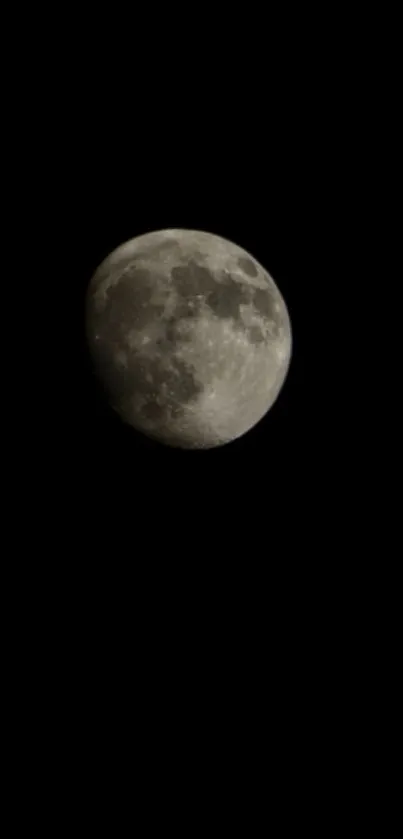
[189, 335]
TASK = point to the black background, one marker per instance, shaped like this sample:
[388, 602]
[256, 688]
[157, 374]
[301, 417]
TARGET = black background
[232, 131]
[241, 139]
[250, 173]
[158, 549]
[191, 571]
[263, 208]
[163, 576]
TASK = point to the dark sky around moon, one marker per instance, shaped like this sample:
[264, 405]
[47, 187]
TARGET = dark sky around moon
[199, 145]
[257, 199]
[137, 530]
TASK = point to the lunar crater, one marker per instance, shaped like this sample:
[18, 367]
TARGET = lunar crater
[226, 300]
[247, 266]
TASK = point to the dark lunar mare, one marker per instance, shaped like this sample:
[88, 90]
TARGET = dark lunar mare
[127, 306]
[193, 279]
[255, 335]
[224, 298]
[227, 298]
[145, 377]
[264, 303]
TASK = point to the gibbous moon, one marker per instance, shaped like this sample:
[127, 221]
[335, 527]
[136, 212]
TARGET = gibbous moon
[189, 335]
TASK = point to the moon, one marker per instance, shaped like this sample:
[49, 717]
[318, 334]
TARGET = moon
[189, 335]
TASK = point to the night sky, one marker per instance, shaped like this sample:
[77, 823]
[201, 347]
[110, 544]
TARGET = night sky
[155, 577]
[264, 199]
